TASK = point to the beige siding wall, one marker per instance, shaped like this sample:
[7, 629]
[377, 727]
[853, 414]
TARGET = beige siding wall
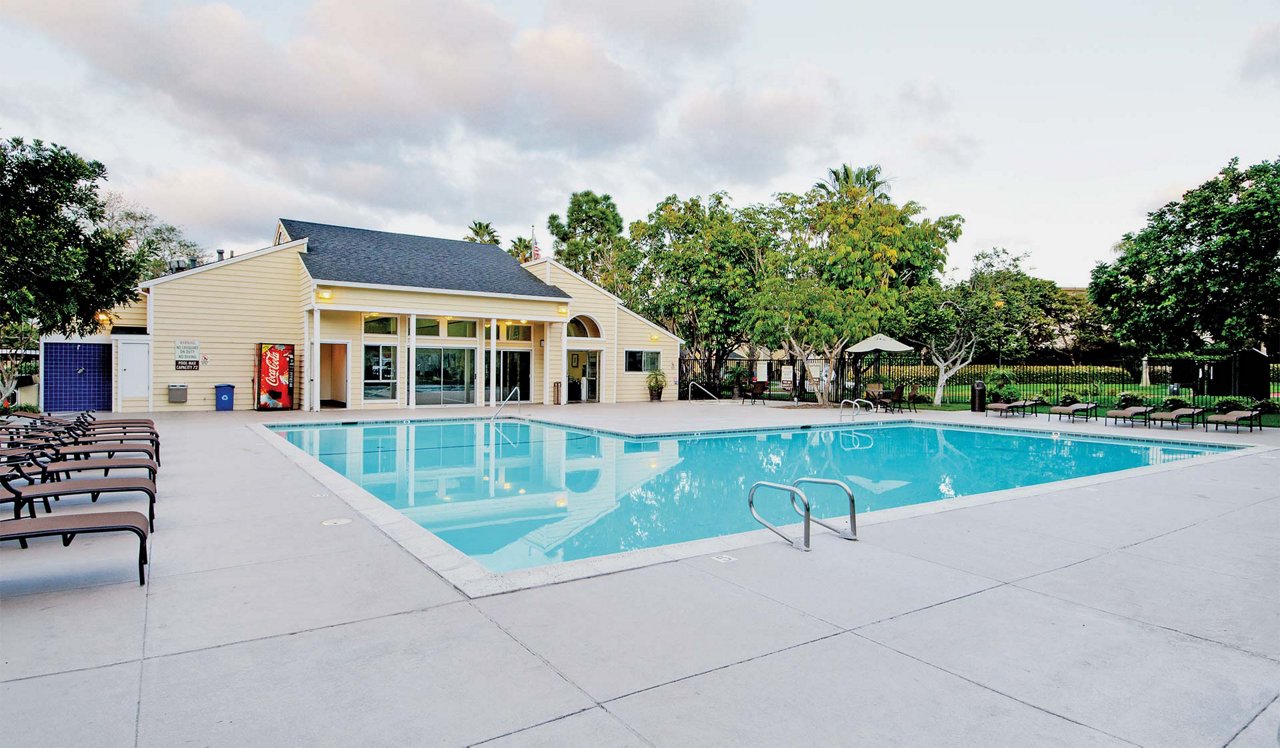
[130, 315]
[620, 332]
[469, 307]
[229, 310]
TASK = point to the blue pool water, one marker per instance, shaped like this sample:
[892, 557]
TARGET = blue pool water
[514, 495]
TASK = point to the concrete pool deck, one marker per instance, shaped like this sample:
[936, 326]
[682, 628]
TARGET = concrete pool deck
[1142, 609]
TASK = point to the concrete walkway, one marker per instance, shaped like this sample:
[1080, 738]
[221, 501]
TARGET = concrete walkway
[1143, 610]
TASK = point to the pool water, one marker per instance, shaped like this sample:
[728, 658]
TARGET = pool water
[515, 495]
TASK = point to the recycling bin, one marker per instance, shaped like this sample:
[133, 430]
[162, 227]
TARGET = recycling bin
[224, 396]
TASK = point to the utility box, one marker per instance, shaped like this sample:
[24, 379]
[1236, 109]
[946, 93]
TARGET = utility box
[978, 397]
[224, 396]
[177, 393]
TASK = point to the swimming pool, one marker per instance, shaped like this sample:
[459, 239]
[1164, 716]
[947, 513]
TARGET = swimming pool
[515, 495]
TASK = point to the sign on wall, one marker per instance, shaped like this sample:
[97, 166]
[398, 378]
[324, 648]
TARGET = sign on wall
[186, 355]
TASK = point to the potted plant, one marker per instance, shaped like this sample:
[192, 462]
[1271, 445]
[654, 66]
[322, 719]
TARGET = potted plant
[656, 381]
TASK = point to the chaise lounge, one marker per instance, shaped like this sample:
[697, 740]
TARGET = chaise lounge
[1079, 410]
[70, 525]
[1018, 406]
[95, 487]
[1236, 418]
[1177, 416]
[1129, 415]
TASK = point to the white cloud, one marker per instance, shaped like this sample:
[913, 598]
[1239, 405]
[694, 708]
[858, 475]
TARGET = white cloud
[1262, 58]
[687, 26]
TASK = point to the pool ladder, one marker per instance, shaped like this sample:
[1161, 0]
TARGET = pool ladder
[800, 503]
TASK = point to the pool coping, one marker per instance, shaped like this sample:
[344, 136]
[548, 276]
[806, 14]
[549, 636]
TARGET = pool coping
[473, 580]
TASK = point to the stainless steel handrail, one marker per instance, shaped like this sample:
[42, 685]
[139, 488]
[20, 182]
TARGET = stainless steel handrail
[852, 532]
[794, 493]
[693, 384]
[515, 392]
[856, 403]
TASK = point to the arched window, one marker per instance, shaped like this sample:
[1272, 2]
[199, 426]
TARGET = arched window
[583, 327]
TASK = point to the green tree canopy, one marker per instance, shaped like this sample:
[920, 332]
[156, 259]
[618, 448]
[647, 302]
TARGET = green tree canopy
[1205, 269]
[482, 232]
[60, 265]
[162, 244]
[590, 242]
[521, 248]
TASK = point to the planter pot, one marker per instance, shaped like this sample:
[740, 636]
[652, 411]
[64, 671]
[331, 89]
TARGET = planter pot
[655, 395]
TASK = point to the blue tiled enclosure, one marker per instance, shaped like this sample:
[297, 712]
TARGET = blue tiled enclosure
[77, 376]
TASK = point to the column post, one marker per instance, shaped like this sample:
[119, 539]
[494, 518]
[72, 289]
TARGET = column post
[410, 372]
[313, 357]
[493, 363]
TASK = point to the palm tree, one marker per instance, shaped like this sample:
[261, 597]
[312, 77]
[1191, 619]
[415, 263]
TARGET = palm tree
[482, 232]
[521, 249]
[869, 178]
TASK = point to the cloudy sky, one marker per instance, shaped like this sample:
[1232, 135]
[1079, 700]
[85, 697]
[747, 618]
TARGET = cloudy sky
[1052, 131]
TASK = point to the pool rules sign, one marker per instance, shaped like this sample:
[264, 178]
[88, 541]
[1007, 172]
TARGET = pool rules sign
[186, 355]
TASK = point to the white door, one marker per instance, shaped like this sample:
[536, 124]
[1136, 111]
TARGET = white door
[135, 368]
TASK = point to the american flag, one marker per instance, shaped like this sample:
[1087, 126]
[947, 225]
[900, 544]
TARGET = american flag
[537, 253]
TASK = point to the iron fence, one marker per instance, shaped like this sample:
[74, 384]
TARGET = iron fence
[1106, 382]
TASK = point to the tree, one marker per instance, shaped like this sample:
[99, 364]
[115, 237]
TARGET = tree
[162, 244]
[697, 269]
[589, 241]
[482, 232]
[1205, 269]
[17, 342]
[998, 308]
[869, 178]
[61, 266]
[521, 248]
[847, 253]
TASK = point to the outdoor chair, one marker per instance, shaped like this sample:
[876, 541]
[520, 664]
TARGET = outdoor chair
[1177, 416]
[1129, 415]
[755, 394]
[53, 466]
[72, 447]
[68, 526]
[1007, 409]
[891, 401]
[1079, 410]
[1237, 418]
[874, 392]
[34, 491]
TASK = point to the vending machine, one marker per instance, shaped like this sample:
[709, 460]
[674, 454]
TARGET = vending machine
[274, 377]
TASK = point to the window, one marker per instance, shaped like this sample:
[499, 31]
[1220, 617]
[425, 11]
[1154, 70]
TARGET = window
[582, 327]
[520, 332]
[642, 361]
[427, 327]
[381, 325]
[461, 328]
[379, 372]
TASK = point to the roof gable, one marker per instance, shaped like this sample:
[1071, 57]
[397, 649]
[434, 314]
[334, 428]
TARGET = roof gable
[340, 254]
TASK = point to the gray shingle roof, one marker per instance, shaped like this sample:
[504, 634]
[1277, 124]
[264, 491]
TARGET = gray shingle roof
[346, 255]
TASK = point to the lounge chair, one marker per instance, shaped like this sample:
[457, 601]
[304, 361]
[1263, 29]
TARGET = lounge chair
[1017, 406]
[70, 525]
[1129, 414]
[756, 393]
[1237, 418]
[53, 466]
[34, 491]
[68, 446]
[83, 419]
[1177, 416]
[1079, 410]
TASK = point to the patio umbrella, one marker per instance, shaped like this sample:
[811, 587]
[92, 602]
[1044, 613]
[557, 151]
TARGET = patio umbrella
[875, 344]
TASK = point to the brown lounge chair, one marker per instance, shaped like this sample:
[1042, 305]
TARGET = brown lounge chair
[52, 466]
[1005, 409]
[83, 419]
[1237, 418]
[110, 448]
[755, 394]
[71, 525]
[1129, 414]
[95, 487]
[1177, 416]
[1079, 410]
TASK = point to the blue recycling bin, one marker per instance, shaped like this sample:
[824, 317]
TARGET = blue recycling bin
[225, 396]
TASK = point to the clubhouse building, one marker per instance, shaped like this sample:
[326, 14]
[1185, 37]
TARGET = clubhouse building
[337, 317]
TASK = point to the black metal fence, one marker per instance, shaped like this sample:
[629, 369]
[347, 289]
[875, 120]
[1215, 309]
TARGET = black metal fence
[1152, 381]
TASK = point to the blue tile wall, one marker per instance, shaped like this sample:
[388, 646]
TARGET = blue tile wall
[77, 376]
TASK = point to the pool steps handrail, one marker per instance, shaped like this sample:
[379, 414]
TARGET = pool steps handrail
[857, 404]
[798, 500]
[515, 392]
[793, 493]
[693, 384]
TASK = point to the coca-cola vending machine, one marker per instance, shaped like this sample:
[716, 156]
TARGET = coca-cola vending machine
[275, 377]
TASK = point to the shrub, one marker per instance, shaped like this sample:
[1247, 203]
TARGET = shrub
[1228, 404]
[1005, 394]
[1069, 398]
[1268, 406]
[1173, 403]
[1128, 400]
[19, 408]
[999, 379]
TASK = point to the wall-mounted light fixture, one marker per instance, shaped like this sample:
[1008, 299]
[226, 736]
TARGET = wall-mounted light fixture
[562, 310]
[324, 294]
[653, 338]
[102, 317]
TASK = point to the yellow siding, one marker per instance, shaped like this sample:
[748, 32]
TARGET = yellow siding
[426, 303]
[635, 335]
[130, 315]
[229, 310]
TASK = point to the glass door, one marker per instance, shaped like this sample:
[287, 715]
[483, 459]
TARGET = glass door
[584, 376]
[444, 376]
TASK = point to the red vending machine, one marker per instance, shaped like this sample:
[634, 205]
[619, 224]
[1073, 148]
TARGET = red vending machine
[275, 377]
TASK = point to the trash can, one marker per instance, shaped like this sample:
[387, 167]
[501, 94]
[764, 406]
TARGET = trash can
[177, 393]
[978, 397]
[555, 397]
[224, 396]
